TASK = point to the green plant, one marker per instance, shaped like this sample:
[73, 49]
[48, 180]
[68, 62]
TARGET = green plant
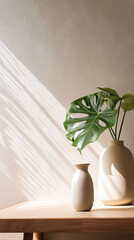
[100, 111]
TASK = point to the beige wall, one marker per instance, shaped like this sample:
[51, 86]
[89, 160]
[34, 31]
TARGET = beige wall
[53, 51]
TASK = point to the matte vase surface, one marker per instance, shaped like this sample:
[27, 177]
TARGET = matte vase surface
[116, 175]
[82, 193]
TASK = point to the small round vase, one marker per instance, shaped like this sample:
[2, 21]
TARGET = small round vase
[82, 194]
[116, 175]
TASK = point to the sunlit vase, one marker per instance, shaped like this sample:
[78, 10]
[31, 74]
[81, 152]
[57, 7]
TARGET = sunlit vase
[82, 194]
[116, 175]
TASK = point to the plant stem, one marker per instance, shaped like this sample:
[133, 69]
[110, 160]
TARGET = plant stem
[111, 133]
[117, 120]
[121, 125]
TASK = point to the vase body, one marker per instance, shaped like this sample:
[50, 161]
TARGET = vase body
[82, 194]
[116, 175]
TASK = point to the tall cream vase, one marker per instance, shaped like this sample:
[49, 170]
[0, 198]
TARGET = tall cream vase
[116, 175]
[82, 194]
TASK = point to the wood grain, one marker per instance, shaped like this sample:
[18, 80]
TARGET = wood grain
[31, 217]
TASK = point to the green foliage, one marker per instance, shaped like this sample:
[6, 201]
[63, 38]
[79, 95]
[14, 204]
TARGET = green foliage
[110, 96]
[109, 91]
[127, 102]
[95, 113]
[92, 124]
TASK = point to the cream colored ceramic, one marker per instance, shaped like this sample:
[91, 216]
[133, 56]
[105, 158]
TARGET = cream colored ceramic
[116, 175]
[82, 193]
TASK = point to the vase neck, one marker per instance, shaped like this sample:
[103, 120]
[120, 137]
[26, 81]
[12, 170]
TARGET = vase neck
[82, 166]
[115, 142]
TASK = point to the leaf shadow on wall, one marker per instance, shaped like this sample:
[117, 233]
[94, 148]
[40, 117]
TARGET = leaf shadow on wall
[36, 158]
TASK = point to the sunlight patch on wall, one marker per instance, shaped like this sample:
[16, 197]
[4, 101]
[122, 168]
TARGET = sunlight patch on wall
[35, 150]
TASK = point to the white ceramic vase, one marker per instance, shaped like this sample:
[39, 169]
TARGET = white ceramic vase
[82, 194]
[116, 175]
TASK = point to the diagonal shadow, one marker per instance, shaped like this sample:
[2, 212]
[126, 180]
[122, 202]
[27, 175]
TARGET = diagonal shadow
[35, 152]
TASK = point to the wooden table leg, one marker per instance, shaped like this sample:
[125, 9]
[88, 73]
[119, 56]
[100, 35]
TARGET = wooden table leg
[38, 236]
[33, 236]
[28, 236]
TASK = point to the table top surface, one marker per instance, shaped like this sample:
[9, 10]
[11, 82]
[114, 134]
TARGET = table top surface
[39, 210]
[37, 216]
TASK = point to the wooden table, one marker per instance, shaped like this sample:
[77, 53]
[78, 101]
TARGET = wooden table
[33, 219]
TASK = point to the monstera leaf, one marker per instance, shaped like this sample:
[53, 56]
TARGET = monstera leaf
[110, 91]
[127, 102]
[91, 124]
[110, 96]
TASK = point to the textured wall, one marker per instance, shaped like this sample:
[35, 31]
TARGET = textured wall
[53, 51]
